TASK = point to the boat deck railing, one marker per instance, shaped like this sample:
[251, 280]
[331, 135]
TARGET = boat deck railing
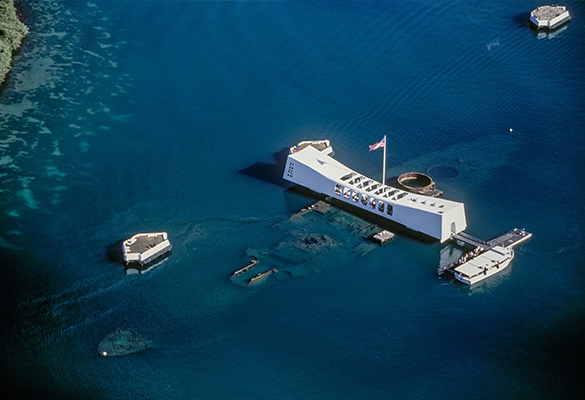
[508, 240]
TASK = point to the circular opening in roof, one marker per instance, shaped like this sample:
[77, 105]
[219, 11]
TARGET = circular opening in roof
[443, 172]
[416, 182]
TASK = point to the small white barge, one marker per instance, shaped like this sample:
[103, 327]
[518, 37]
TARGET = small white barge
[549, 17]
[143, 248]
[478, 267]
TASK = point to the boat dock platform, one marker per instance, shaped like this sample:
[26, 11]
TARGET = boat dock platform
[508, 240]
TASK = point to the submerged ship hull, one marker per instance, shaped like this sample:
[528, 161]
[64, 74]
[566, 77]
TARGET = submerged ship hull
[310, 165]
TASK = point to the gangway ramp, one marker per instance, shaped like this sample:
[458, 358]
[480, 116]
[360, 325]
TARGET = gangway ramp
[469, 240]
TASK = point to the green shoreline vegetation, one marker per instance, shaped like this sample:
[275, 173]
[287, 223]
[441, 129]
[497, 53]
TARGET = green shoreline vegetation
[12, 32]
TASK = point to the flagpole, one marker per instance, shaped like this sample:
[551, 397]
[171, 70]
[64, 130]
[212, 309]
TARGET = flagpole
[384, 164]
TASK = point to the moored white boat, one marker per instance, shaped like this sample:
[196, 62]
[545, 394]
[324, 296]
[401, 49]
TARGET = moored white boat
[483, 265]
[310, 164]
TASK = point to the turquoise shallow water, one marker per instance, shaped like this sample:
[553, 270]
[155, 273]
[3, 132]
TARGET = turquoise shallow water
[127, 116]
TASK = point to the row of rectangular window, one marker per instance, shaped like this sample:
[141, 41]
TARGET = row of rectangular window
[364, 199]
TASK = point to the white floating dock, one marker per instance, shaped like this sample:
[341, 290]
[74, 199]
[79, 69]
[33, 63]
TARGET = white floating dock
[549, 17]
[143, 248]
[487, 258]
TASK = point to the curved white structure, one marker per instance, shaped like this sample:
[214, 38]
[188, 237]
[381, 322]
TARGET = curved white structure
[484, 265]
[309, 164]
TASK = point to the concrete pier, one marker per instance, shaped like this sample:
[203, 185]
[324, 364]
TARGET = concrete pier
[549, 17]
[143, 248]
[509, 239]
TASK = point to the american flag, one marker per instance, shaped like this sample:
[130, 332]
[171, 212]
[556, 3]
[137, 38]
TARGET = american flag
[376, 146]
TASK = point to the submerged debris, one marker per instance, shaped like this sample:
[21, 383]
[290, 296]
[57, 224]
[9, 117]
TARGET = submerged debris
[309, 235]
[261, 276]
[383, 237]
[122, 342]
[245, 269]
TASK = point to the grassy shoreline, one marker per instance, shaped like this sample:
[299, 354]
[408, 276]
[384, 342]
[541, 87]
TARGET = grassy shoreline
[12, 32]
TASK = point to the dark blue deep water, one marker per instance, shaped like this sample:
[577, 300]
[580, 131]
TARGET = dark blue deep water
[129, 116]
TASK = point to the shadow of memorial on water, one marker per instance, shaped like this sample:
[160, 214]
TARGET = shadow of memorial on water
[114, 252]
[523, 19]
[267, 172]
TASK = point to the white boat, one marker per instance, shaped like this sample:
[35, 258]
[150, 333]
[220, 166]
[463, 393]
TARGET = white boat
[484, 265]
[310, 164]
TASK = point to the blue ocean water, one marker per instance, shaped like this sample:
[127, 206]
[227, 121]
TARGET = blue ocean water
[129, 116]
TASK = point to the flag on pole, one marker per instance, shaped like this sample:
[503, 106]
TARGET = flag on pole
[378, 145]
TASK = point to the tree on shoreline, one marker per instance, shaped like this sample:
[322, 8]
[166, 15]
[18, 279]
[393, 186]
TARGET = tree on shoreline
[12, 31]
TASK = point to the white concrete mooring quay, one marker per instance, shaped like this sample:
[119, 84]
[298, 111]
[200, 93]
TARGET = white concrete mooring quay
[509, 239]
[549, 17]
[143, 248]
